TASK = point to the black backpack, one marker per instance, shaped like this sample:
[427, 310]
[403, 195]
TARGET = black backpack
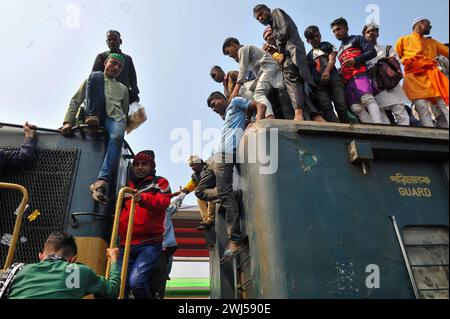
[386, 74]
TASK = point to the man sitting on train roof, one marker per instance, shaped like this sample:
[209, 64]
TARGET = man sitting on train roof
[26, 154]
[106, 104]
[152, 200]
[57, 276]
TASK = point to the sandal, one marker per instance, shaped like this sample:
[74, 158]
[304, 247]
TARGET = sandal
[92, 121]
[98, 190]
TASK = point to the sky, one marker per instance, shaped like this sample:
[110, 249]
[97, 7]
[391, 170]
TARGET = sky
[49, 47]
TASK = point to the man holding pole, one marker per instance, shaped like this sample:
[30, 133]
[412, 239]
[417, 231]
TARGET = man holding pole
[152, 199]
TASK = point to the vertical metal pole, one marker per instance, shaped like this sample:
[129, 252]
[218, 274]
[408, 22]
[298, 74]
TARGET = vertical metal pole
[364, 168]
[405, 257]
[114, 236]
[115, 230]
[18, 224]
[126, 252]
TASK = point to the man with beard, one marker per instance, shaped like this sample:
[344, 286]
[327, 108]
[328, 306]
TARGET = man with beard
[297, 77]
[424, 82]
[393, 100]
[152, 199]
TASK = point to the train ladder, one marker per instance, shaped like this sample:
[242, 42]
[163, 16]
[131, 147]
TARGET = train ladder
[18, 224]
[115, 231]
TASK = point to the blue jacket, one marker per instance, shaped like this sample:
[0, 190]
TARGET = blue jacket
[169, 232]
[19, 158]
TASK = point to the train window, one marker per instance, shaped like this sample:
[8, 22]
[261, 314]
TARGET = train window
[427, 250]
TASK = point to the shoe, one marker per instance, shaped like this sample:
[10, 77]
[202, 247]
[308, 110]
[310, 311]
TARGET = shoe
[230, 253]
[92, 121]
[92, 130]
[352, 119]
[205, 226]
[98, 190]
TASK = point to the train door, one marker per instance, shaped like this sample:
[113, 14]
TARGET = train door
[416, 197]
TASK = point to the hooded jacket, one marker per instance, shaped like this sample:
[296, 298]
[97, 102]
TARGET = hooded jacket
[148, 227]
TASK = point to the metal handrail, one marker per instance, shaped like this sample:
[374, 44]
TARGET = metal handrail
[405, 257]
[37, 128]
[115, 231]
[58, 131]
[18, 224]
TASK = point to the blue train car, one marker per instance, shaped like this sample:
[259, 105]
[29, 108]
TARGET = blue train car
[338, 211]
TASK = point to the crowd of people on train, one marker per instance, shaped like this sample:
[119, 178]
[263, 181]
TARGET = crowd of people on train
[404, 84]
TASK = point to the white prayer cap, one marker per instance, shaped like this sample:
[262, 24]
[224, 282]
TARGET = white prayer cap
[417, 20]
[370, 26]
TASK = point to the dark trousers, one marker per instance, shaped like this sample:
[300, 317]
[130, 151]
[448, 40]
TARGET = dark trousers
[95, 96]
[217, 183]
[140, 264]
[296, 90]
[330, 92]
[161, 271]
[281, 103]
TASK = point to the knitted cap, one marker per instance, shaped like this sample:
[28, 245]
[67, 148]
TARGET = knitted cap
[116, 56]
[147, 156]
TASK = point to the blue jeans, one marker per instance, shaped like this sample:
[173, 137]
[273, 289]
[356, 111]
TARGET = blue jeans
[95, 106]
[95, 95]
[116, 132]
[140, 264]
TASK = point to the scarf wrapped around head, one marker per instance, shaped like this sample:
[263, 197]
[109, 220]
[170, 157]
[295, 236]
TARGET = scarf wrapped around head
[146, 156]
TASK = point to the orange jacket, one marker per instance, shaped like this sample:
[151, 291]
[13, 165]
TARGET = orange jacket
[423, 80]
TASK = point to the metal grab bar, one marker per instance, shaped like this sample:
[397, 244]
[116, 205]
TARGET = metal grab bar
[115, 231]
[405, 257]
[18, 224]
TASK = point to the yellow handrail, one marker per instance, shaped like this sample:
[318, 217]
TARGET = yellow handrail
[18, 224]
[115, 231]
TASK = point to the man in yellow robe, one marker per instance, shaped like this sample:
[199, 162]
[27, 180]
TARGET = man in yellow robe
[424, 82]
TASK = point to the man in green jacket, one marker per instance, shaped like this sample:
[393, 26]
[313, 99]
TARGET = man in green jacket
[57, 276]
[107, 104]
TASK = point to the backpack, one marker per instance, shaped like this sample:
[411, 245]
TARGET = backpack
[386, 74]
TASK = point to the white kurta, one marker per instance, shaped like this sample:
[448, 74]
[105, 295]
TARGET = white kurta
[259, 62]
[396, 95]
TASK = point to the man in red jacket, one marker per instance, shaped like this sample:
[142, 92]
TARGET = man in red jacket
[152, 200]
